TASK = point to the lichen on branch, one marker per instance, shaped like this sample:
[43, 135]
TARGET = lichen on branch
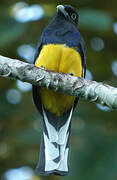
[64, 83]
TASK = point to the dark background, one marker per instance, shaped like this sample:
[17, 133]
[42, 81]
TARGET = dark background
[94, 128]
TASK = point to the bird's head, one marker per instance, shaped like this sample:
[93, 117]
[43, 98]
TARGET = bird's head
[68, 12]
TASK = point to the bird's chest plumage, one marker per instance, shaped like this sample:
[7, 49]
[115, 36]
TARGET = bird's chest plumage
[58, 58]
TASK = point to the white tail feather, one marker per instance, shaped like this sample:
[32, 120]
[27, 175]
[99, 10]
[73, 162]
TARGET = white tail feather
[52, 133]
[63, 130]
[63, 162]
[51, 151]
[60, 151]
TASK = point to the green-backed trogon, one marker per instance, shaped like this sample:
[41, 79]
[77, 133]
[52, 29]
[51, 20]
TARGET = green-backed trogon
[60, 49]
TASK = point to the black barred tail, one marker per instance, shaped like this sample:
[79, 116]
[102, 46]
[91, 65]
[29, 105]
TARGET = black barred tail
[55, 144]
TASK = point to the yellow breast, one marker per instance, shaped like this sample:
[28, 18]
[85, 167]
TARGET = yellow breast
[58, 58]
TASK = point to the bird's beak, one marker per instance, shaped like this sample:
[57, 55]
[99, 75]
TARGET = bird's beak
[60, 8]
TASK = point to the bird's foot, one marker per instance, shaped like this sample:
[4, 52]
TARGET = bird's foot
[72, 74]
[42, 67]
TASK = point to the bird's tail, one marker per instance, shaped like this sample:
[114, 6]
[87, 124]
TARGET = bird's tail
[55, 144]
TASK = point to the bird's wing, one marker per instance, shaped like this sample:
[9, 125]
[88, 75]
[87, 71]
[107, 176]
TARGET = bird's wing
[35, 89]
[83, 56]
[81, 50]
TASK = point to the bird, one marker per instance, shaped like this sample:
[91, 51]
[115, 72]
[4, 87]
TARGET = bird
[60, 49]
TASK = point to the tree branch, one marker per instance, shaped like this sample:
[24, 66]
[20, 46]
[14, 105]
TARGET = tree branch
[79, 87]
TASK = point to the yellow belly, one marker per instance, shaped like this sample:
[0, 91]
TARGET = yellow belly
[58, 58]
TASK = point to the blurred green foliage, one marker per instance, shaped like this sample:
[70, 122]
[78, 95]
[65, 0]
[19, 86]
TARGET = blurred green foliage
[94, 132]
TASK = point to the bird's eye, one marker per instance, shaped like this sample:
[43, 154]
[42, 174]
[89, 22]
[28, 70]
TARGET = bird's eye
[73, 16]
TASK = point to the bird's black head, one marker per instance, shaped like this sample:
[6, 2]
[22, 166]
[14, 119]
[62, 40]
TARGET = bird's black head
[68, 12]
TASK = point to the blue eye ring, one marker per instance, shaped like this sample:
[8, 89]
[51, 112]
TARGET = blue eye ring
[73, 16]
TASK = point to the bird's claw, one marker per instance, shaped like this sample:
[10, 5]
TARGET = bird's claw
[72, 74]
